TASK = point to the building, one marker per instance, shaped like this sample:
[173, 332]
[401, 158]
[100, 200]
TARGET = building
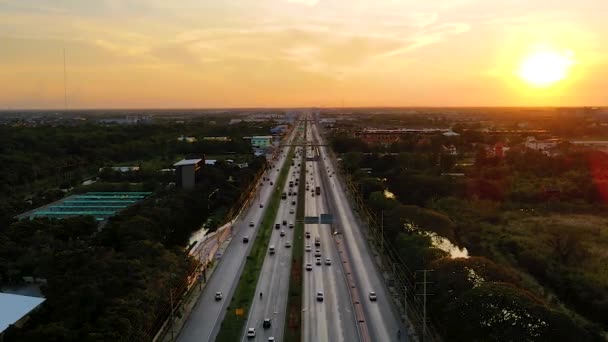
[389, 136]
[100, 205]
[544, 146]
[223, 139]
[188, 172]
[187, 139]
[122, 169]
[15, 310]
[261, 141]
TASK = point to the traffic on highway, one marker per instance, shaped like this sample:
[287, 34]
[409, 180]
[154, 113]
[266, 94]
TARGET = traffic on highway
[344, 296]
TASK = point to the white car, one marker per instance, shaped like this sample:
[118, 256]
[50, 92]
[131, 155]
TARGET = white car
[319, 299]
[251, 224]
[327, 261]
[308, 248]
[282, 233]
[309, 267]
[287, 244]
[318, 253]
[318, 261]
[251, 333]
[372, 296]
[291, 211]
[291, 225]
[218, 296]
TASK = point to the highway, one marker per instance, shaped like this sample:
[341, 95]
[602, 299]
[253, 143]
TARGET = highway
[383, 322]
[332, 319]
[273, 282]
[206, 317]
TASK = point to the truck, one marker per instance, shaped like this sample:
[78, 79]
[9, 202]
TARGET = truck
[318, 190]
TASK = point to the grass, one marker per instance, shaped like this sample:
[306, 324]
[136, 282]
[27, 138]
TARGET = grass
[232, 325]
[293, 318]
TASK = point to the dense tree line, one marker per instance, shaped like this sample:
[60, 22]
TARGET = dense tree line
[37, 161]
[477, 298]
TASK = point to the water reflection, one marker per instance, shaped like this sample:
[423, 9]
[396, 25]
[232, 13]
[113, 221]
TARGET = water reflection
[439, 242]
[389, 194]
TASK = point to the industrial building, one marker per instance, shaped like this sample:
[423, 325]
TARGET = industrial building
[264, 141]
[188, 172]
[15, 309]
[100, 205]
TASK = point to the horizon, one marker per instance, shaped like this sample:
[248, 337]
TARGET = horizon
[135, 54]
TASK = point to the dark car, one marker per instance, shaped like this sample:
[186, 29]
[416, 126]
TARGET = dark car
[266, 323]
[277, 226]
[245, 239]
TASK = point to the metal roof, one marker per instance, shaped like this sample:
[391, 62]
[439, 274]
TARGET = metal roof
[14, 307]
[187, 162]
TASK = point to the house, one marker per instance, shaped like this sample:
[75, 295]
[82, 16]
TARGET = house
[544, 146]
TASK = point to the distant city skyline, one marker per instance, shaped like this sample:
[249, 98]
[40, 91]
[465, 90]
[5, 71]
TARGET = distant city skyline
[303, 53]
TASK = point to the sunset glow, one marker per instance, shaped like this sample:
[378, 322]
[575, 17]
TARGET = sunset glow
[545, 68]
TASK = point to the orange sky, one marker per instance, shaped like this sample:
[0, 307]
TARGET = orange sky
[274, 53]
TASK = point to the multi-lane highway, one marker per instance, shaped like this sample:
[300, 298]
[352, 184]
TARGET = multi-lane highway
[333, 318]
[205, 319]
[273, 282]
[381, 317]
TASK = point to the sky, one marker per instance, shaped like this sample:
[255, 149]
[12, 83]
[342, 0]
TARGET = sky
[297, 53]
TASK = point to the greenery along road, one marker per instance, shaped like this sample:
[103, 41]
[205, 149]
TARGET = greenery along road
[293, 318]
[232, 326]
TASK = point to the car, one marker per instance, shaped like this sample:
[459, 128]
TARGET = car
[308, 235]
[372, 296]
[246, 239]
[251, 333]
[287, 244]
[308, 248]
[251, 224]
[271, 183]
[271, 249]
[318, 261]
[284, 222]
[319, 299]
[327, 261]
[309, 267]
[271, 339]
[291, 211]
[291, 225]
[312, 194]
[218, 296]
[261, 205]
[282, 233]
[293, 202]
[318, 253]
[266, 323]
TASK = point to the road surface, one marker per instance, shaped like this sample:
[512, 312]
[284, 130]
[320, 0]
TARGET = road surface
[332, 319]
[382, 319]
[206, 317]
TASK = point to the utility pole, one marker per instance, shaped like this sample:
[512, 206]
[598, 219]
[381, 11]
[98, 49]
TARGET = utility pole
[382, 232]
[172, 318]
[424, 294]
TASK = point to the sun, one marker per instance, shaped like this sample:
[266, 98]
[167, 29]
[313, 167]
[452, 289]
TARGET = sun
[545, 68]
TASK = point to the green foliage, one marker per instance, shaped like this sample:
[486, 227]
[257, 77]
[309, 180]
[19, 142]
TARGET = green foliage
[232, 325]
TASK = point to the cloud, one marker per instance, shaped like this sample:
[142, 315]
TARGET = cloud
[432, 35]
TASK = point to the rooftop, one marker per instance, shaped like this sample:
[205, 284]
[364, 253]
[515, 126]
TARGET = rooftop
[187, 162]
[14, 307]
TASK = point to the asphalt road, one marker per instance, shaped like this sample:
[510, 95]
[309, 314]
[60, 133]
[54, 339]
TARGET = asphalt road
[205, 319]
[332, 319]
[382, 319]
[273, 282]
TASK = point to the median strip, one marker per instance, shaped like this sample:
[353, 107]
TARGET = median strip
[232, 325]
[293, 318]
